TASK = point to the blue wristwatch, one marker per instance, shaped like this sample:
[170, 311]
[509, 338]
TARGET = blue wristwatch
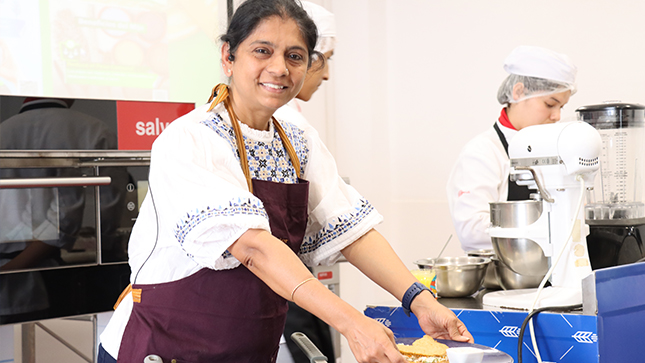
[412, 292]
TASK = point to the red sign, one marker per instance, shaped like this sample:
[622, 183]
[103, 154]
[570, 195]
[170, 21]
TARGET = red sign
[325, 275]
[139, 123]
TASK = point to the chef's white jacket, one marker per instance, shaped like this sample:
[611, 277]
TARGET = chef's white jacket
[480, 176]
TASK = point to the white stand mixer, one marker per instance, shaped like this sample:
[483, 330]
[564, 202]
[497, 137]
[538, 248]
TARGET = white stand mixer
[557, 160]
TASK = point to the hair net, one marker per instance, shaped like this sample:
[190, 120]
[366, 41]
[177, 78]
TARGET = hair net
[326, 24]
[541, 71]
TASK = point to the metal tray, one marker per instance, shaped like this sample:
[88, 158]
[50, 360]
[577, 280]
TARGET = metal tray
[491, 355]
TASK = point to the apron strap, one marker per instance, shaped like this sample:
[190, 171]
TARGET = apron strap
[287, 145]
[136, 295]
[221, 94]
[515, 192]
[501, 137]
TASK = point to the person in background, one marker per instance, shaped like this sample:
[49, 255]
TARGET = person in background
[319, 71]
[299, 319]
[539, 84]
[238, 202]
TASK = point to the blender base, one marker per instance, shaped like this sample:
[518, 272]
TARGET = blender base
[522, 299]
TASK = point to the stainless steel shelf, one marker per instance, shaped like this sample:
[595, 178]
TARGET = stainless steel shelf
[72, 158]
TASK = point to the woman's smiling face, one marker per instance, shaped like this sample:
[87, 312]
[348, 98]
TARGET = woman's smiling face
[269, 66]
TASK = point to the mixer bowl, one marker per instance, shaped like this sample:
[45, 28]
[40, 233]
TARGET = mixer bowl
[457, 276]
[510, 280]
[521, 255]
[515, 214]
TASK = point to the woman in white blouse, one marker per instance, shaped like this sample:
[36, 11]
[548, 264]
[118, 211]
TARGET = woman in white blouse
[237, 202]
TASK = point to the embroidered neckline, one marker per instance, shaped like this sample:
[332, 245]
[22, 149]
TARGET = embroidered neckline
[251, 133]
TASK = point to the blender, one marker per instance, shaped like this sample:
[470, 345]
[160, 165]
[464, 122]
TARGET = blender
[615, 211]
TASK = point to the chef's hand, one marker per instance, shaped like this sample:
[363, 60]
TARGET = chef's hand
[371, 341]
[437, 320]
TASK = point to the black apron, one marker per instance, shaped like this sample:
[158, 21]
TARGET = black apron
[225, 315]
[515, 192]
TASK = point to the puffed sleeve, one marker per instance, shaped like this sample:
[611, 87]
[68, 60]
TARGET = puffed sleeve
[199, 187]
[338, 214]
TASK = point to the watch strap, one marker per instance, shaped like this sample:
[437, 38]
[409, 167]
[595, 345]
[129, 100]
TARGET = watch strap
[412, 292]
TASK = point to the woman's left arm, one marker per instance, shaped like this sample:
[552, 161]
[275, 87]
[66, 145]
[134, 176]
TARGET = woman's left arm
[375, 258]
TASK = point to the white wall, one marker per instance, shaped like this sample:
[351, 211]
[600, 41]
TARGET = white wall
[414, 80]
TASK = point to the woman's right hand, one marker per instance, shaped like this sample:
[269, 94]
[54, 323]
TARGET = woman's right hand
[371, 341]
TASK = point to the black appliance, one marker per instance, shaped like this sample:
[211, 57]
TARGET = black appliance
[65, 221]
[615, 211]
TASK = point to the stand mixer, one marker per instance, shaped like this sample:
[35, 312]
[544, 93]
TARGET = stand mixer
[560, 162]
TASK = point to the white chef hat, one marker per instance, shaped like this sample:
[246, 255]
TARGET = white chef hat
[326, 24]
[540, 70]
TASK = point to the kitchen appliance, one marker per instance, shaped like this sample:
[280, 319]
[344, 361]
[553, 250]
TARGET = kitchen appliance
[83, 266]
[73, 174]
[615, 211]
[559, 161]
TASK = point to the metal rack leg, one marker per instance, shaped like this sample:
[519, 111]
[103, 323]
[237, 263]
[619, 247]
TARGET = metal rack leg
[28, 343]
[94, 338]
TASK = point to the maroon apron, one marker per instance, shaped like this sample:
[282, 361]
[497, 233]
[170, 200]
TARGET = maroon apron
[224, 315]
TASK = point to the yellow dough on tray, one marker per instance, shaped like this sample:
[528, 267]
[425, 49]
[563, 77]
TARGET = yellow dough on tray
[424, 350]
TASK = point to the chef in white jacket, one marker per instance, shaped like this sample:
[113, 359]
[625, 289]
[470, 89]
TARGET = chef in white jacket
[539, 84]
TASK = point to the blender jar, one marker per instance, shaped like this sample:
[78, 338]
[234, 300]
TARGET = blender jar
[618, 188]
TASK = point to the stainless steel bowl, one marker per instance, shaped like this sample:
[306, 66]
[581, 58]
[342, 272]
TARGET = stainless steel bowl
[522, 255]
[457, 276]
[510, 280]
[490, 280]
[515, 214]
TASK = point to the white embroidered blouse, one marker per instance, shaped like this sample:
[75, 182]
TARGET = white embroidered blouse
[198, 202]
